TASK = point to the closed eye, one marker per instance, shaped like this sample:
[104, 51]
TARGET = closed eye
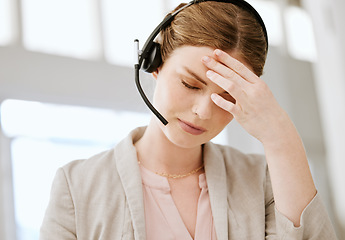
[189, 86]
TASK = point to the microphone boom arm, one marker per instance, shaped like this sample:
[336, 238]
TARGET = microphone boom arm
[142, 94]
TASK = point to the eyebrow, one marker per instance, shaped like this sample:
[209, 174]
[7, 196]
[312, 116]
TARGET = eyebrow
[195, 75]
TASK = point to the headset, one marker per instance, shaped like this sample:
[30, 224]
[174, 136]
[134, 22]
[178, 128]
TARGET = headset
[149, 58]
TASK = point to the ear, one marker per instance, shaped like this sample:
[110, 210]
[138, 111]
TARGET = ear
[156, 73]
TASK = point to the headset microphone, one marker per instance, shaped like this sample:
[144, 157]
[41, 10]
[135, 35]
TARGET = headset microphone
[149, 58]
[141, 91]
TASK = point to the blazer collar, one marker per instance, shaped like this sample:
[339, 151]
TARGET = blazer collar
[217, 187]
[129, 172]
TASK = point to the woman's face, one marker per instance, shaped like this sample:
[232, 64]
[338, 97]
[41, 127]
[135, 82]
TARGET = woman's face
[183, 96]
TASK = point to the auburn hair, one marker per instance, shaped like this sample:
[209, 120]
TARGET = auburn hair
[217, 25]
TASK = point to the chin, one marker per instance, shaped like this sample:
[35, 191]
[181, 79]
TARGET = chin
[182, 139]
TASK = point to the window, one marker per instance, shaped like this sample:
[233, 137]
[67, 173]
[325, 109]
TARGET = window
[5, 23]
[270, 14]
[61, 27]
[47, 136]
[134, 19]
[299, 34]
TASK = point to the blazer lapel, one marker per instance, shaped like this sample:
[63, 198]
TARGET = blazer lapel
[216, 182]
[128, 169]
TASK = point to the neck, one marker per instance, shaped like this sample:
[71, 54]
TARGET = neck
[166, 156]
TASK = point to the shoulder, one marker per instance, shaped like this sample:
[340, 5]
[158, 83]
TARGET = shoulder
[86, 191]
[96, 169]
[104, 169]
[94, 163]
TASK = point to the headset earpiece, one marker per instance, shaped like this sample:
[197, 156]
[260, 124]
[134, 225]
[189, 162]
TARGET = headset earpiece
[153, 59]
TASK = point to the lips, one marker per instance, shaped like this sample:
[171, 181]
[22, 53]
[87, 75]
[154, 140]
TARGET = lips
[191, 128]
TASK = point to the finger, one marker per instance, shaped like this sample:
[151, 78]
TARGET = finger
[224, 104]
[239, 67]
[223, 70]
[229, 86]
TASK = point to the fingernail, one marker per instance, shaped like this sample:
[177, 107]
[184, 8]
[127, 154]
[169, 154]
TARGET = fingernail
[213, 96]
[209, 73]
[218, 52]
[206, 59]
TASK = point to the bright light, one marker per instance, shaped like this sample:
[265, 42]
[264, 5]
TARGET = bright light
[5, 22]
[132, 20]
[270, 14]
[50, 121]
[300, 35]
[172, 4]
[61, 27]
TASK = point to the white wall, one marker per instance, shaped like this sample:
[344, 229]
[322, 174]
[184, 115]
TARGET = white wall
[49, 78]
[329, 70]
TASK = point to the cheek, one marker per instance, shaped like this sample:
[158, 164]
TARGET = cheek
[171, 95]
[161, 92]
[223, 117]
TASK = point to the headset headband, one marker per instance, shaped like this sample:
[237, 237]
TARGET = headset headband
[170, 17]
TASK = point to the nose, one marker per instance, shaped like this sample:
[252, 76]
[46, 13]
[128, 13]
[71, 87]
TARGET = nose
[203, 107]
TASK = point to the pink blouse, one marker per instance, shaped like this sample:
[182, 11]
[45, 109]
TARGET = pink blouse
[163, 221]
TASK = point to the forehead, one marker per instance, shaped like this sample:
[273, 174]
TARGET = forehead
[186, 53]
[188, 57]
[191, 56]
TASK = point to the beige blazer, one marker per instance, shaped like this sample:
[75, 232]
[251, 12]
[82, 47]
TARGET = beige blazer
[102, 198]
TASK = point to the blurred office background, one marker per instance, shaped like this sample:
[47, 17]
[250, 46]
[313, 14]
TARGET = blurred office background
[67, 91]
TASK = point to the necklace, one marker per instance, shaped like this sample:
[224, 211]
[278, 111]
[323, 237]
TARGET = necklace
[178, 175]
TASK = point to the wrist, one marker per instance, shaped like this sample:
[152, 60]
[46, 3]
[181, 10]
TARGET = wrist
[280, 131]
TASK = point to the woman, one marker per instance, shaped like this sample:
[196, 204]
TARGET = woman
[170, 182]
